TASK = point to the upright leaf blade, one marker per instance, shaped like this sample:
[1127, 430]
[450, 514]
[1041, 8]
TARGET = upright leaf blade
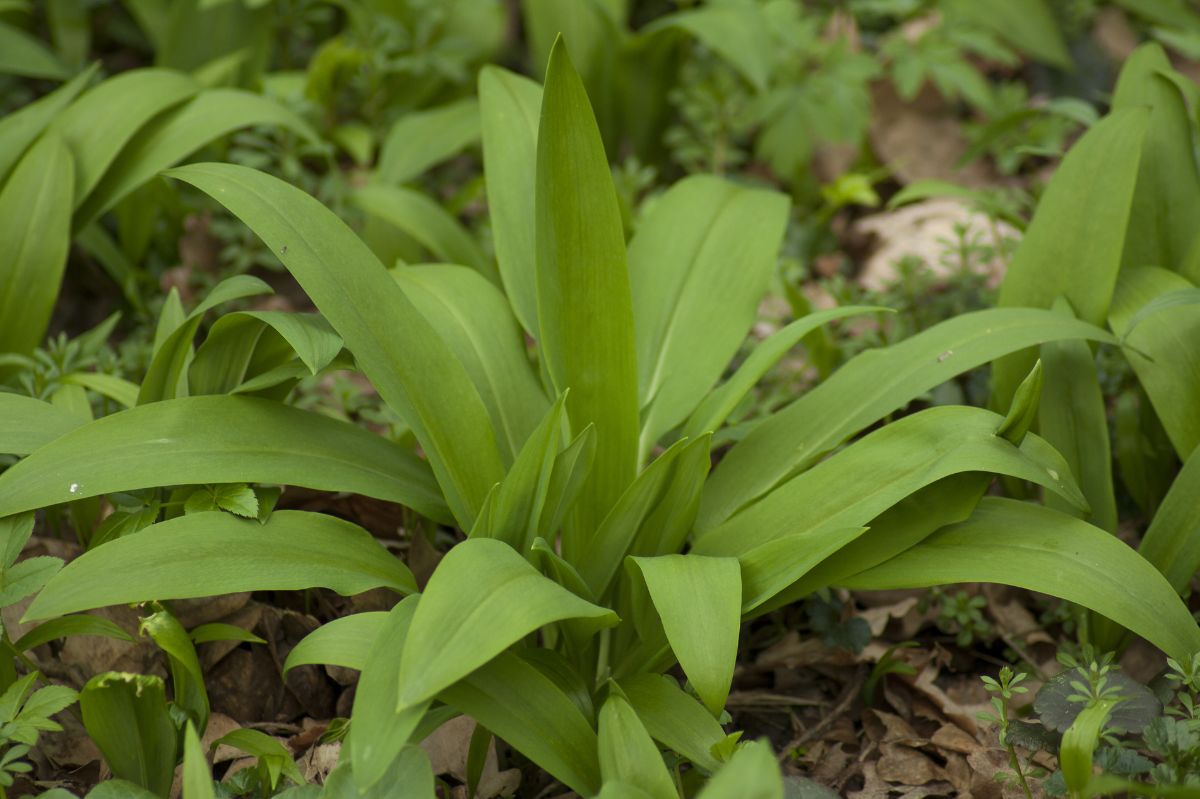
[413, 369]
[510, 105]
[584, 306]
[1080, 224]
[35, 233]
[627, 753]
[698, 266]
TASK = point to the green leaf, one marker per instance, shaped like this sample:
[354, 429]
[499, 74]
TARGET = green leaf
[1081, 219]
[265, 748]
[35, 209]
[421, 139]
[117, 789]
[27, 577]
[873, 474]
[1171, 542]
[173, 136]
[119, 107]
[247, 344]
[15, 532]
[126, 716]
[117, 389]
[482, 598]
[422, 218]
[1073, 418]
[165, 378]
[673, 718]
[752, 773]
[69, 626]
[197, 780]
[217, 631]
[27, 423]
[205, 554]
[1017, 543]
[410, 777]
[342, 642]
[599, 557]
[1027, 25]
[698, 266]
[197, 440]
[187, 679]
[1179, 298]
[474, 319]
[379, 728]
[1079, 744]
[771, 568]
[627, 753]
[509, 105]
[1160, 350]
[739, 34]
[518, 504]
[412, 368]
[716, 406]
[584, 305]
[19, 128]
[699, 600]
[525, 708]
[1167, 197]
[870, 386]
[25, 56]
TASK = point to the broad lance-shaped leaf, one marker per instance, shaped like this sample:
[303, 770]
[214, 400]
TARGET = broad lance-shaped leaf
[255, 341]
[25, 55]
[475, 320]
[408, 363]
[27, 423]
[1162, 350]
[1166, 202]
[187, 678]
[119, 107]
[873, 474]
[1073, 418]
[126, 715]
[870, 386]
[674, 718]
[627, 753]
[218, 439]
[421, 217]
[165, 378]
[1172, 542]
[35, 232]
[196, 780]
[173, 136]
[482, 598]
[204, 554]
[698, 266]
[421, 139]
[715, 408]
[517, 702]
[584, 305]
[740, 36]
[1080, 224]
[19, 128]
[1029, 546]
[752, 773]
[510, 105]
[699, 601]
[379, 730]
[341, 642]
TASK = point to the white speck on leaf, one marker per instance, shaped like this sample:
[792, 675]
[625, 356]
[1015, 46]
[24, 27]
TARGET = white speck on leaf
[945, 355]
[74, 488]
[283, 250]
[1053, 474]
